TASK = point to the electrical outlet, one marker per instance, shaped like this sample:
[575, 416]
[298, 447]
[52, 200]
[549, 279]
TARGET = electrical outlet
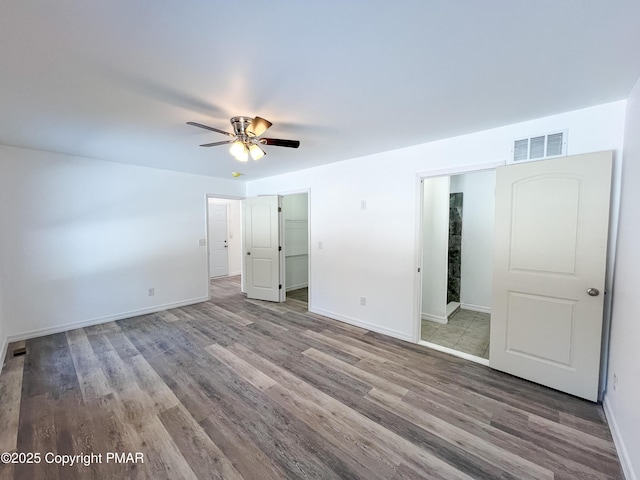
[320, 245]
[363, 204]
[202, 242]
[363, 301]
[152, 292]
[615, 381]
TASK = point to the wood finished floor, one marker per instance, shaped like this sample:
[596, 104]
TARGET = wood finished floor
[242, 389]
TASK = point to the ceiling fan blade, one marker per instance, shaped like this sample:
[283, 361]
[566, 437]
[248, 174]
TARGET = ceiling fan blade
[225, 142]
[258, 126]
[278, 142]
[210, 128]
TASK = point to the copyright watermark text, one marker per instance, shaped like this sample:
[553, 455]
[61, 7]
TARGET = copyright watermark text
[85, 459]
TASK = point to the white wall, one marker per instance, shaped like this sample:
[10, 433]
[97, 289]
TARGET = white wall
[373, 252]
[435, 248]
[622, 400]
[478, 219]
[234, 233]
[83, 240]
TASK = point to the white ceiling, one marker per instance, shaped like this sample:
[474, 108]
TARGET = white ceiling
[117, 79]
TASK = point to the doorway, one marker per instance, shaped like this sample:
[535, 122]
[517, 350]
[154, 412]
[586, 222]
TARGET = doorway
[457, 225]
[549, 249]
[276, 247]
[295, 215]
[224, 236]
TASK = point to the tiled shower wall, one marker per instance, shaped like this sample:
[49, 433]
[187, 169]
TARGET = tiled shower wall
[455, 247]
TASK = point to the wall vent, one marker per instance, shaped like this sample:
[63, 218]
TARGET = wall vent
[19, 351]
[539, 147]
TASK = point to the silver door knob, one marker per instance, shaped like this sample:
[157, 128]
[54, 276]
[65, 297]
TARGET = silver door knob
[594, 292]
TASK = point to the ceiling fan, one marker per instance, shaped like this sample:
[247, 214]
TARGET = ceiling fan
[246, 138]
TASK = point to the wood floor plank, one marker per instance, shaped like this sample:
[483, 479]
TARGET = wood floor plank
[393, 449]
[10, 396]
[240, 449]
[356, 373]
[241, 368]
[247, 389]
[200, 452]
[92, 381]
[517, 466]
[563, 465]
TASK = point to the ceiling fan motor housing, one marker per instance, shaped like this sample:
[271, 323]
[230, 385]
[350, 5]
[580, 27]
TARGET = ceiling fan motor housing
[240, 125]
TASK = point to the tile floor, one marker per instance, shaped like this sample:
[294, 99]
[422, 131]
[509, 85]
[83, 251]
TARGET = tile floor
[467, 331]
[301, 294]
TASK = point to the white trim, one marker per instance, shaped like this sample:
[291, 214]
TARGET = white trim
[293, 192]
[442, 172]
[456, 353]
[475, 308]
[434, 318]
[297, 287]
[296, 191]
[452, 307]
[623, 454]
[366, 325]
[3, 351]
[420, 176]
[417, 256]
[98, 320]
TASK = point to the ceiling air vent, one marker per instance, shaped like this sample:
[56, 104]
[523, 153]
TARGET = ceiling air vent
[539, 147]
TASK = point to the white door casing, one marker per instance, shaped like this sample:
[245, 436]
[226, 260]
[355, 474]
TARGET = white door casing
[218, 243]
[263, 264]
[551, 232]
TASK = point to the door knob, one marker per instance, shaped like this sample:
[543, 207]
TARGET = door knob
[248, 253]
[594, 292]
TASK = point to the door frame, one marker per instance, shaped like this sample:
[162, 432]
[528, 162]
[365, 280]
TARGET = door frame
[206, 233]
[307, 190]
[610, 262]
[417, 309]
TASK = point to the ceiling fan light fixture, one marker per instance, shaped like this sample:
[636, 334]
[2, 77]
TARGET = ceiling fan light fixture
[257, 127]
[244, 156]
[239, 151]
[248, 140]
[256, 151]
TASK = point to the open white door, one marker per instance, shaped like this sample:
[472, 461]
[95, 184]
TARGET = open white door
[262, 267]
[551, 232]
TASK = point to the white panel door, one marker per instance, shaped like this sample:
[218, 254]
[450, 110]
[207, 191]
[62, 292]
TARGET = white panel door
[551, 232]
[218, 243]
[262, 269]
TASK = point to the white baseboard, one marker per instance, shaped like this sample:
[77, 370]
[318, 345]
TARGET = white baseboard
[41, 332]
[457, 353]
[623, 454]
[475, 308]
[452, 307]
[3, 351]
[434, 318]
[359, 323]
[297, 287]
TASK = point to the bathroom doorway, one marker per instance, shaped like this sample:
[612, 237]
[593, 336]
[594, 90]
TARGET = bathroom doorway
[457, 234]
